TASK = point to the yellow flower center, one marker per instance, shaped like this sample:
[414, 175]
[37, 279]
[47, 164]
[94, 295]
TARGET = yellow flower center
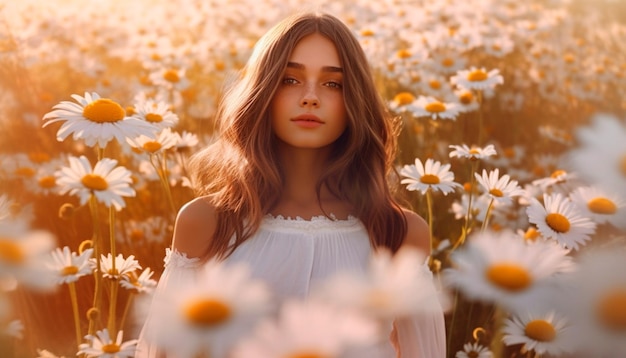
[540, 330]
[558, 222]
[477, 76]
[602, 206]
[403, 98]
[557, 173]
[611, 309]
[531, 234]
[447, 62]
[69, 270]
[39, 157]
[496, 192]
[152, 146]
[403, 53]
[435, 107]
[207, 312]
[171, 76]
[569, 58]
[510, 277]
[472, 354]
[47, 182]
[307, 354]
[367, 32]
[430, 179]
[26, 172]
[154, 118]
[110, 348]
[466, 97]
[10, 252]
[103, 110]
[434, 84]
[136, 235]
[94, 182]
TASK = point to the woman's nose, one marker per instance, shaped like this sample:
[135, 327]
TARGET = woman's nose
[309, 98]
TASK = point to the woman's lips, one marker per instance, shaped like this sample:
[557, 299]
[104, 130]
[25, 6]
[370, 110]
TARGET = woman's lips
[307, 120]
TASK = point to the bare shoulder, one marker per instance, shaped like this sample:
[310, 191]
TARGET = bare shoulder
[417, 233]
[195, 224]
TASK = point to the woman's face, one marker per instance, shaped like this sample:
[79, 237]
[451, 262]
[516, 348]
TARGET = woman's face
[308, 109]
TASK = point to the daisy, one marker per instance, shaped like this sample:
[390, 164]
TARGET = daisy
[501, 268]
[152, 229]
[477, 79]
[473, 153]
[430, 175]
[500, 189]
[14, 328]
[102, 346]
[142, 283]
[598, 205]
[560, 219]
[467, 101]
[425, 106]
[123, 266]
[401, 102]
[309, 329]
[186, 140]
[208, 317]
[106, 183]
[69, 266]
[156, 113]
[597, 303]
[394, 286]
[165, 140]
[474, 350]
[42, 353]
[544, 333]
[96, 120]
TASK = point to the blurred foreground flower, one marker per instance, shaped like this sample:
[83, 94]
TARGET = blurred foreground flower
[96, 120]
[22, 251]
[394, 286]
[102, 346]
[309, 329]
[209, 317]
[105, 181]
[503, 269]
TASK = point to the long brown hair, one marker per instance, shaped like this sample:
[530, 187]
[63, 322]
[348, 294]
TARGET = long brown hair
[240, 173]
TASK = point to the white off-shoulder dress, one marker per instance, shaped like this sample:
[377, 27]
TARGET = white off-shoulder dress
[293, 255]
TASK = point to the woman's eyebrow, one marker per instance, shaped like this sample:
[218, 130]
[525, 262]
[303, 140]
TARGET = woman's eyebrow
[300, 66]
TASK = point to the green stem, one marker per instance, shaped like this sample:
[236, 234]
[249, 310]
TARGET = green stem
[429, 204]
[113, 306]
[97, 245]
[74, 299]
[129, 303]
[161, 171]
[498, 325]
[487, 215]
[468, 215]
[479, 99]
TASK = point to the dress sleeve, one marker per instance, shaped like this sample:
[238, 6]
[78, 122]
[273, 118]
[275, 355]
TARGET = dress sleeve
[422, 335]
[180, 271]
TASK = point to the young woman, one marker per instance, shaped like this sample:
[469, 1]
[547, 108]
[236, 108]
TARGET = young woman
[304, 151]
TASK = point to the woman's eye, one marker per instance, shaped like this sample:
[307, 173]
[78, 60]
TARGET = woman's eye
[333, 84]
[290, 81]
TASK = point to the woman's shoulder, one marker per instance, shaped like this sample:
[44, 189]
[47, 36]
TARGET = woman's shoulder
[417, 233]
[195, 224]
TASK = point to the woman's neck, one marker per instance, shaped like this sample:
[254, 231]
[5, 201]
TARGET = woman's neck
[302, 169]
